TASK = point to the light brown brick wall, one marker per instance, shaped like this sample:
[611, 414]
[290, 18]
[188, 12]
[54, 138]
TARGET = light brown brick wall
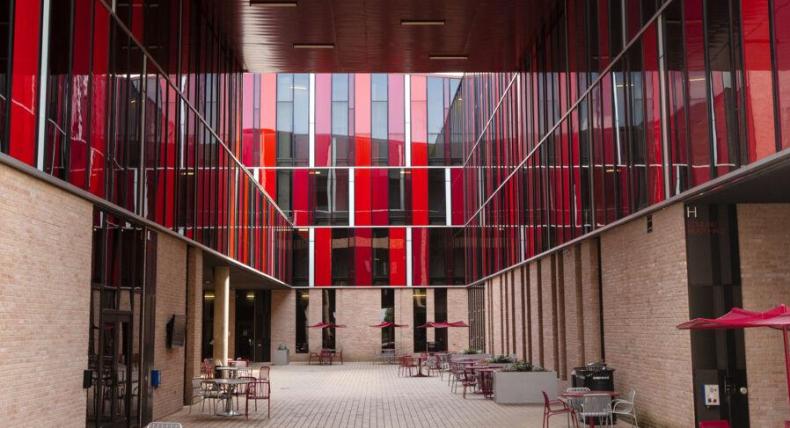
[497, 316]
[645, 295]
[404, 314]
[536, 318]
[518, 311]
[358, 310]
[573, 344]
[192, 349]
[171, 273]
[314, 316]
[284, 322]
[232, 322]
[457, 310]
[549, 331]
[763, 236]
[591, 300]
[45, 262]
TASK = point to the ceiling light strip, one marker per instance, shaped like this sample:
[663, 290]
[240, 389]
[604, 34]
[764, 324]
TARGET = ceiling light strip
[314, 46]
[422, 22]
[449, 57]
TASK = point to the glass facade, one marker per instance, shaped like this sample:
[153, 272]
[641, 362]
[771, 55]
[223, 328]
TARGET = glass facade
[362, 170]
[615, 111]
[140, 105]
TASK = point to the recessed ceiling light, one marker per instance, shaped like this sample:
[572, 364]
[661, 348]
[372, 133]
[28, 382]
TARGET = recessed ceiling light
[269, 3]
[314, 46]
[421, 22]
[449, 57]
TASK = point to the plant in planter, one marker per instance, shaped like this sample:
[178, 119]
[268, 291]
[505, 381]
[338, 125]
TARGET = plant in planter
[501, 359]
[470, 351]
[523, 383]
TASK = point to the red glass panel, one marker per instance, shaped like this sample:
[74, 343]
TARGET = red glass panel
[697, 93]
[419, 122]
[396, 121]
[363, 256]
[101, 40]
[300, 197]
[397, 256]
[380, 196]
[362, 119]
[268, 117]
[653, 156]
[24, 81]
[761, 137]
[457, 198]
[323, 119]
[419, 255]
[362, 194]
[323, 256]
[419, 196]
[782, 45]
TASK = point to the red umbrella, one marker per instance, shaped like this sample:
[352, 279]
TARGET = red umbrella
[434, 325]
[327, 325]
[385, 324]
[457, 324]
[778, 318]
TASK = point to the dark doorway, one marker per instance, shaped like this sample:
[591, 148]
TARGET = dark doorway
[718, 357]
[120, 339]
[253, 325]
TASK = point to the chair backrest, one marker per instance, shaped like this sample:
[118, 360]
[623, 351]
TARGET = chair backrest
[164, 425]
[545, 399]
[578, 389]
[196, 383]
[263, 372]
[259, 389]
[714, 424]
[596, 403]
[631, 396]
[326, 353]
[207, 385]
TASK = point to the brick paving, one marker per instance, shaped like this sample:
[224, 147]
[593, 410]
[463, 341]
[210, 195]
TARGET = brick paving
[365, 395]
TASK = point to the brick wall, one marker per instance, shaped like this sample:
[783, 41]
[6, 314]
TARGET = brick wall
[194, 308]
[284, 322]
[645, 295]
[763, 236]
[457, 310]
[171, 286]
[358, 310]
[45, 260]
[591, 300]
[518, 313]
[404, 314]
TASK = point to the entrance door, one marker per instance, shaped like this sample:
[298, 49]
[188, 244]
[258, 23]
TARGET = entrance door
[115, 398]
[715, 288]
[253, 324]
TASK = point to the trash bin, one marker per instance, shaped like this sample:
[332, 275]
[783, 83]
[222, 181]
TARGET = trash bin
[596, 376]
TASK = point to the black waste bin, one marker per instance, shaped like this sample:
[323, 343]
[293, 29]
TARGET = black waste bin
[596, 376]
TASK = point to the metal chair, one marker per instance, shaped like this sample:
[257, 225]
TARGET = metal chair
[210, 392]
[263, 372]
[626, 407]
[406, 363]
[197, 392]
[164, 425]
[468, 380]
[258, 390]
[576, 403]
[554, 408]
[597, 406]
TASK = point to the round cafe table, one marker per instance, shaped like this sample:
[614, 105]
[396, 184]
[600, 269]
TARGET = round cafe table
[420, 360]
[230, 387]
[231, 370]
[579, 395]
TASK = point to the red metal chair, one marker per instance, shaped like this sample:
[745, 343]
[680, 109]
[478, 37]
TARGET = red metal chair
[315, 355]
[714, 424]
[258, 390]
[241, 390]
[487, 383]
[263, 372]
[326, 357]
[556, 407]
[468, 380]
[406, 363]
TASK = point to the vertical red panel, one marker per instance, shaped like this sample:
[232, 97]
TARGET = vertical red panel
[397, 256]
[396, 122]
[782, 45]
[323, 119]
[268, 123]
[419, 255]
[457, 198]
[249, 134]
[761, 137]
[419, 196]
[419, 121]
[380, 197]
[654, 152]
[697, 92]
[362, 194]
[138, 14]
[300, 197]
[78, 149]
[323, 256]
[363, 256]
[362, 119]
[101, 41]
[24, 81]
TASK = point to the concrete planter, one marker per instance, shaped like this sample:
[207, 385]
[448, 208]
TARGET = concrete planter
[524, 387]
[280, 357]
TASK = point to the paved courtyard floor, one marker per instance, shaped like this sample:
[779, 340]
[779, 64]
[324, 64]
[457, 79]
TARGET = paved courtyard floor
[365, 395]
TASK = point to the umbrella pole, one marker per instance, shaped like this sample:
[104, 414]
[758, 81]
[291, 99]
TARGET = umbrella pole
[787, 361]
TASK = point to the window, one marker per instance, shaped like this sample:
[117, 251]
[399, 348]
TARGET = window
[435, 120]
[300, 257]
[284, 191]
[399, 198]
[342, 148]
[440, 315]
[342, 257]
[420, 318]
[292, 119]
[328, 316]
[302, 304]
[331, 196]
[381, 260]
[388, 315]
[437, 206]
[378, 116]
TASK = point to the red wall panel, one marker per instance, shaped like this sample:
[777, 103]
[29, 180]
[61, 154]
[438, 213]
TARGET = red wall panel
[362, 193]
[397, 256]
[323, 257]
[363, 256]
[419, 255]
[24, 81]
[380, 197]
[323, 119]
[268, 123]
[362, 119]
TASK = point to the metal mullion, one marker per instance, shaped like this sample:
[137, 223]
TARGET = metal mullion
[713, 173]
[774, 75]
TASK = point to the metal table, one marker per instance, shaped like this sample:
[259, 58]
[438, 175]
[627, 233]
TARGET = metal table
[230, 388]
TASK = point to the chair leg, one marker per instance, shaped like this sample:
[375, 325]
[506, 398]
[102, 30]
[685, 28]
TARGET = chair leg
[268, 407]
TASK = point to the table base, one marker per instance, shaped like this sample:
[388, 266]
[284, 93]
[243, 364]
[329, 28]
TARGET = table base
[229, 413]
